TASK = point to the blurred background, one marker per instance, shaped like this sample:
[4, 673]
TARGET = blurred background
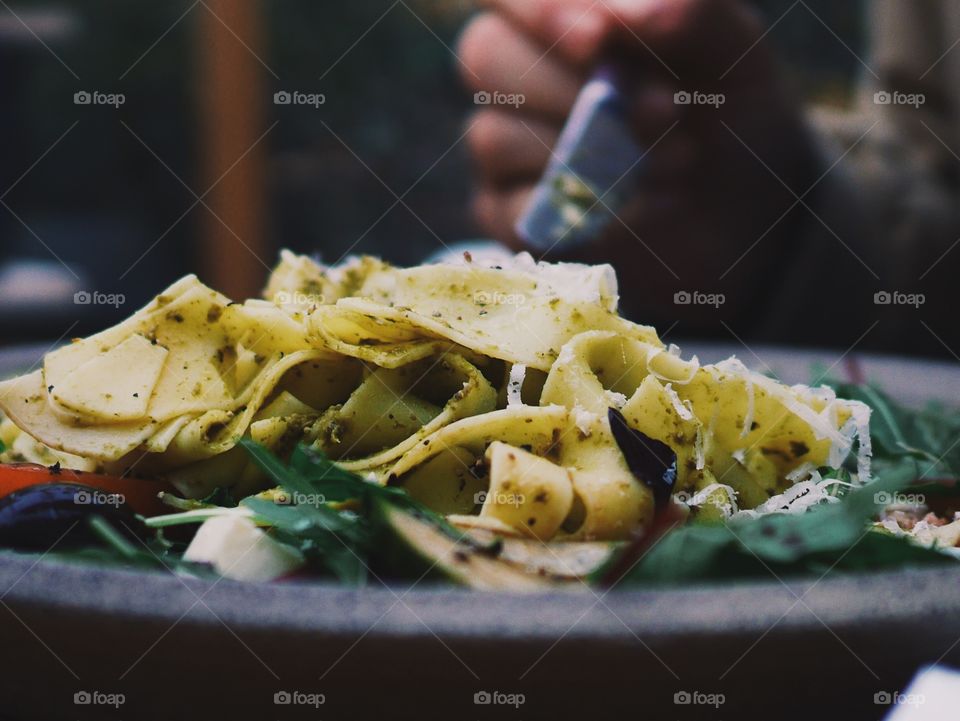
[147, 140]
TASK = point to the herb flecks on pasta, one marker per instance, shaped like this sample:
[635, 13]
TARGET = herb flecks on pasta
[483, 391]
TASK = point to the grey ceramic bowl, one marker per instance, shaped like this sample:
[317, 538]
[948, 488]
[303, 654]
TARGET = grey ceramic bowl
[803, 649]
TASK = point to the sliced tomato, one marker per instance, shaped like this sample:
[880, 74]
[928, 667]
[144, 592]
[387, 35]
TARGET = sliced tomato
[140, 494]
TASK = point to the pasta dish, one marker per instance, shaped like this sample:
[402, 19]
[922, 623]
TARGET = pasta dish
[511, 406]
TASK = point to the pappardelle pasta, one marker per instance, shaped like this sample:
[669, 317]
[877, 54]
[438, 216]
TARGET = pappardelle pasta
[484, 392]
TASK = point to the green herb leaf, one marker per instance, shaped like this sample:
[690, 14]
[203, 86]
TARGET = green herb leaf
[311, 474]
[929, 434]
[832, 535]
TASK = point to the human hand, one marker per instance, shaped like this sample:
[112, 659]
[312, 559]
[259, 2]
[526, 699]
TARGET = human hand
[712, 201]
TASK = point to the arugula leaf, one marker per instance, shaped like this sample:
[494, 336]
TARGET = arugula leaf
[339, 540]
[326, 476]
[186, 517]
[287, 478]
[118, 550]
[929, 434]
[334, 540]
[337, 484]
[311, 474]
[788, 538]
[331, 540]
[113, 538]
[832, 535]
[303, 520]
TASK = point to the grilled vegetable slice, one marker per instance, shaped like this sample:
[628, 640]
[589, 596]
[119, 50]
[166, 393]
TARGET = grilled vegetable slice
[415, 547]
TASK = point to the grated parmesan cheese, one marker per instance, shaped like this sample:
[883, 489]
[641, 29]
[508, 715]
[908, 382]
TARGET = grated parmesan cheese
[801, 472]
[748, 416]
[798, 498]
[653, 352]
[584, 420]
[518, 372]
[685, 411]
[699, 451]
[705, 495]
[617, 400]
